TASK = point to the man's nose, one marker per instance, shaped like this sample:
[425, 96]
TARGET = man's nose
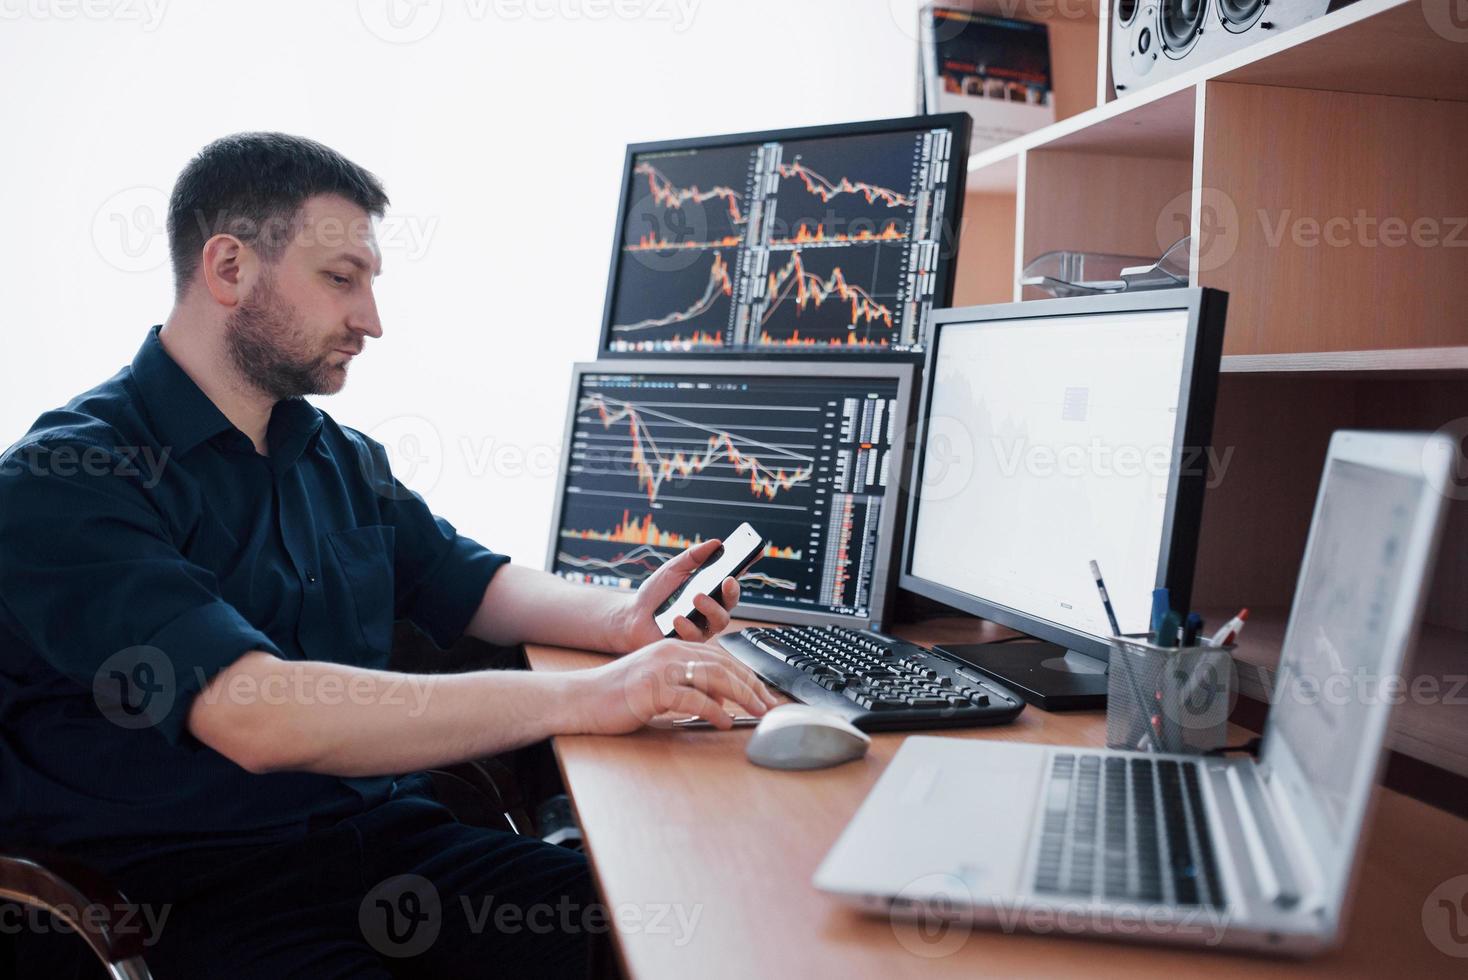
[365, 319]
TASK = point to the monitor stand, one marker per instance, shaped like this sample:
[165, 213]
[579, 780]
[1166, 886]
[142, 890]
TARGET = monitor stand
[1046, 675]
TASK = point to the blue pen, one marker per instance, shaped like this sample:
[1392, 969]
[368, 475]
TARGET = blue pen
[1192, 626]
[1167, 631]
[1161, 606]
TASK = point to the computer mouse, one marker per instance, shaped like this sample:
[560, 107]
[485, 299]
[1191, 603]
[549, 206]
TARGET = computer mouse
[797, 736]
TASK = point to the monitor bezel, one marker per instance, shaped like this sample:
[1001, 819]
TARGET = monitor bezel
[960, 123]
[1197, 397]
[884, 579]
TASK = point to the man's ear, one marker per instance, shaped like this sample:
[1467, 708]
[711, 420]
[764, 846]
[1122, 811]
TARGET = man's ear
[228, 268]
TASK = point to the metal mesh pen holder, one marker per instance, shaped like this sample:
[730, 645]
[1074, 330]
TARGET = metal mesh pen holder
[1168, 699]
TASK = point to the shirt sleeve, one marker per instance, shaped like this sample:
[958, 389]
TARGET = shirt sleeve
[90, 576]
[439, 575]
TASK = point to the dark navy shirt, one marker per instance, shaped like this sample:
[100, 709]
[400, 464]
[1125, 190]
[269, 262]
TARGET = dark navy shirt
[145, 546]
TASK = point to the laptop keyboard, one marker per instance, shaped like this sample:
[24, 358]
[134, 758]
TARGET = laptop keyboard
[1123, 828]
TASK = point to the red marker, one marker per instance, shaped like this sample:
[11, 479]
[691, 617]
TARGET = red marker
[1229, 631]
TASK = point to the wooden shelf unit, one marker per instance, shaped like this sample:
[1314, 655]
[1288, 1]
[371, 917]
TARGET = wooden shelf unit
[1412, 362]
[1285, 161]
[1431, 699]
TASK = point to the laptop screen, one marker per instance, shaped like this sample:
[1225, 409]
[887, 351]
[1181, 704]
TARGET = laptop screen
[1339, 670]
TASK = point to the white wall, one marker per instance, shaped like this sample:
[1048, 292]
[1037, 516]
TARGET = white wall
[499, 135]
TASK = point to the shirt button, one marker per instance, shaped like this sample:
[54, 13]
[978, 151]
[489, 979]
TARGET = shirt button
[310, 576]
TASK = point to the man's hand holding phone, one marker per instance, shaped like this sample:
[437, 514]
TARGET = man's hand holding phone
[639, 626]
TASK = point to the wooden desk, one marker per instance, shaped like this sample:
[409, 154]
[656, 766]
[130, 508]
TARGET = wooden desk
[679, 821]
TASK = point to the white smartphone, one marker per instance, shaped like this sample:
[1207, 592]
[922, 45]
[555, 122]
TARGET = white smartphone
[738, 551]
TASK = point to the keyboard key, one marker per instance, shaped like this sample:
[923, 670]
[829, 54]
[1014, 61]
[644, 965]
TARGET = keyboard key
[1209, 867]
[1184, 867]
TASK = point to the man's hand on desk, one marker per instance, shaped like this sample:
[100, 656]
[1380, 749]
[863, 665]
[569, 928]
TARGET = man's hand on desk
[669, 676]
[249, 714]
[479, 713]
[634, 624]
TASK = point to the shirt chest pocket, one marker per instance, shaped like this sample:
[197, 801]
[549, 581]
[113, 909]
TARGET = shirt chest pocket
[361, 585]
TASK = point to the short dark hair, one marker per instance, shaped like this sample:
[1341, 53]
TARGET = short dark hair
[252, 186]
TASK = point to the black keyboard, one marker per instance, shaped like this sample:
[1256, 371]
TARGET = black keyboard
[1129, 829]
[873, 681]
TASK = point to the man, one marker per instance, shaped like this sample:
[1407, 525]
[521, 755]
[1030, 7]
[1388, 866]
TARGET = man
[199, 572]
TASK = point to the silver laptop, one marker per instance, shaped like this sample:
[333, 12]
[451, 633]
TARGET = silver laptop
[1177, 848]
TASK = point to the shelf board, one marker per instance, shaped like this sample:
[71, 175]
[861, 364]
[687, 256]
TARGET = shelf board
[1000, 177]
[1384, 47]
[1117, 124]
[1431, 732]
[1160, 128]
[1436, 362]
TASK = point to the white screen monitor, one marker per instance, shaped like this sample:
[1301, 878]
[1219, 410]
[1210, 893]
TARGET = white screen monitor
[1057, 433]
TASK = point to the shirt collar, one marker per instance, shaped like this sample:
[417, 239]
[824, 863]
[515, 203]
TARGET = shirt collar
[183, 416]
[293, 425]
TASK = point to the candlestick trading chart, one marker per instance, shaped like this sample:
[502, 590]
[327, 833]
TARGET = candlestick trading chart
[836, 243]
[660, 462]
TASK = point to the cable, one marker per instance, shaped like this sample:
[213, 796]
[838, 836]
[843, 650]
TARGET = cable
[1252, 746]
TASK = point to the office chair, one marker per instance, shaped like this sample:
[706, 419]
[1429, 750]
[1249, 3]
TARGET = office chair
[88, 903]
[516, 781]
[482, 793]
[65, 888]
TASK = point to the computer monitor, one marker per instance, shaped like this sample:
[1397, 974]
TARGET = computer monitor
[660, 455]
[831, 239]
[1052, 434]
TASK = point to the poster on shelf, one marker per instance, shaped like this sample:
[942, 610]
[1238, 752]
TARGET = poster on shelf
[994, 68]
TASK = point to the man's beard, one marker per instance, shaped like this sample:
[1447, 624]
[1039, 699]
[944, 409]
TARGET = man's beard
[270, 350]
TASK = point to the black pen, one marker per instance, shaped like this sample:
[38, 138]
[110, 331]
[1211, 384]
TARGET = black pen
[1105, 599]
